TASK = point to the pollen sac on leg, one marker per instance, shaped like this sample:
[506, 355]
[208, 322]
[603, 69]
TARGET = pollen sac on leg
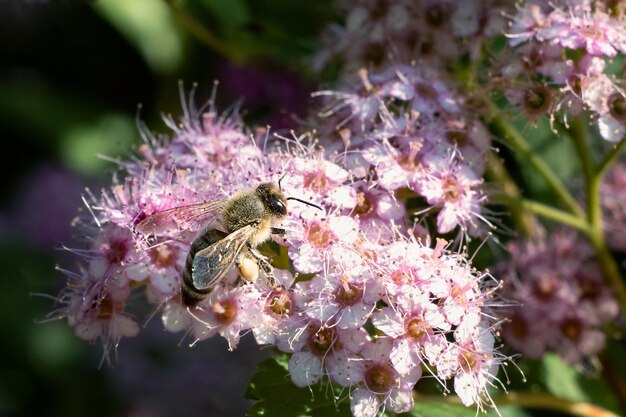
[249, 269]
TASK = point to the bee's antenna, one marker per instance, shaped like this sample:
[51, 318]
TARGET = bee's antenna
[279, 180]
[308, 203]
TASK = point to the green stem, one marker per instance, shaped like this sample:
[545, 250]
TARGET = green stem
[496, 171]
[608, 264]
[611, 157]
[200, 31]
[577, 132]
[555, 214]
[532, 400]
[519, 144]
[595, 231]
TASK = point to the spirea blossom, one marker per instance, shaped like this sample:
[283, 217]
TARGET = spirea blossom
[561, 57]
[614, 206]
[366, 303]
[378, 33]
[561, 301]
[414, 133]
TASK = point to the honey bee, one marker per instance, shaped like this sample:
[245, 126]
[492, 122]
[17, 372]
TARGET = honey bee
[248, 218]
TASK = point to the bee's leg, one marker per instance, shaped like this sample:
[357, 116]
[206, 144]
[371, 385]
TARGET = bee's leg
[278, 231]
[265, 265]
[248, 266]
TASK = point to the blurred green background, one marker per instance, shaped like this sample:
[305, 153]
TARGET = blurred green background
[72, 74]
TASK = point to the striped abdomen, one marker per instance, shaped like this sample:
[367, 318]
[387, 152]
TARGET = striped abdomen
[192, 295]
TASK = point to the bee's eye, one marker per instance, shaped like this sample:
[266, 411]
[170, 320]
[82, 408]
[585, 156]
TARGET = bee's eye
[277, 207]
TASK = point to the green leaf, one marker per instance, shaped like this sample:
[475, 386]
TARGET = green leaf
[232, 13]
[277, 396]
[563, 381]
[149, 26]
[557, 151]
[112, 135]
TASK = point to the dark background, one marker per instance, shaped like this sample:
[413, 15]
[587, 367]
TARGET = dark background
[72, 74]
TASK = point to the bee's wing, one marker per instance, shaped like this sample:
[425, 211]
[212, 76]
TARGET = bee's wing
[210, 265]
[179, 218]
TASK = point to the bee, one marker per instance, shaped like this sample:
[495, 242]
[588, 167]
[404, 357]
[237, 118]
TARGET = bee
[248, 218]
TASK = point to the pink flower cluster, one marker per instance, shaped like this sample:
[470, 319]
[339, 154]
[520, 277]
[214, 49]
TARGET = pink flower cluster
[561, 301]
[367, 304]
[613, 198]
[560, 61]
[416, 135]
[377, 34]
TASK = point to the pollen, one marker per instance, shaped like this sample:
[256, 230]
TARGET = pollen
[106, 308]
[537, 100]
[363, 204]
[349, 293]
[249, 269]
[279, 302]
[379, 379]
[116, 251]
[452, 190]
[320, 234]
[316, 181]
[572, 328]
[163, 256]
[617, 106]
[401, 278]
[322, 340]
[225, 311]
[417, 328]
[468, 361]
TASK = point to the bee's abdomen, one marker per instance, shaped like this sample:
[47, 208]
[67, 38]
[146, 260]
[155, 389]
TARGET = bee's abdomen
[190, 294]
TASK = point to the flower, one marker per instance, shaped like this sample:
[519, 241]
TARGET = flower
[349, 269]
[565, 301]
[374, 381]
[453, 187]
[345, 297]
[227, 313]
[417, 327]
[613, 198]
[312, 240]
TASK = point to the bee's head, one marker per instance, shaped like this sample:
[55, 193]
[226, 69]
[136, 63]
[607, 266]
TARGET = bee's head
[273, 199]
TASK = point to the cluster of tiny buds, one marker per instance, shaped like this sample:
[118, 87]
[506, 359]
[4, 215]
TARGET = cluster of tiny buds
[613, 197]
[412, 133]
[560, 302]
[377, 34]
[561, 61]
[371, 301]
[558, 61]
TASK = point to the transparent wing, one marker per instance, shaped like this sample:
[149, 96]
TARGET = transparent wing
[180, 218]
[211, 265]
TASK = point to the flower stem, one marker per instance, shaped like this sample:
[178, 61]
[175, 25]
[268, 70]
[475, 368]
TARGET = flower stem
[200, 31]
[520, 145]
[614, 378]
[595, 231]
[608, 264]
[590, 221]
[555, 214]
[611, 157]
[533, 400]
[511, 195]
[577, 132]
